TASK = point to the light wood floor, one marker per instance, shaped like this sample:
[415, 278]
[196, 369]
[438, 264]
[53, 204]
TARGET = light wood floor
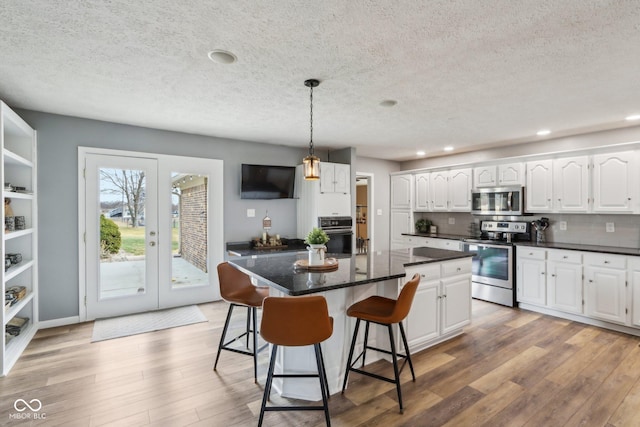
[510, 368]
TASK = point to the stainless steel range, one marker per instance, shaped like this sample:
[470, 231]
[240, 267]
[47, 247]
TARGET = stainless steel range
[492, 277]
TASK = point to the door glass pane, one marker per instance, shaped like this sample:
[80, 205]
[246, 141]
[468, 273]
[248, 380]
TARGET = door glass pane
[189, 213]
[122, 232]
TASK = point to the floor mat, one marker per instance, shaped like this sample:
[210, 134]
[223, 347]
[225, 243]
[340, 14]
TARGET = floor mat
[106, 329]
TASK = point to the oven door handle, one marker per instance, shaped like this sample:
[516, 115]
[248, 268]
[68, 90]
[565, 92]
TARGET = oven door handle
[338, 232]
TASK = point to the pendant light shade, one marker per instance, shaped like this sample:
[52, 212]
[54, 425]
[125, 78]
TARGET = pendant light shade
[311, 162]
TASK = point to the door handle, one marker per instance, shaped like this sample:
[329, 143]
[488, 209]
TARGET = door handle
[152, 243]
[152, 233]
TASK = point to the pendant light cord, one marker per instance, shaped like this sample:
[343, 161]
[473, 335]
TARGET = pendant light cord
[311, 120]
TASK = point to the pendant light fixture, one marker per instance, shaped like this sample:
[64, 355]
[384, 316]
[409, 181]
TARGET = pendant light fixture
[311, 163]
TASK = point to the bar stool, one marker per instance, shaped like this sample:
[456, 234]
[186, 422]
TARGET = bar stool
[293, 322]
[386, 312]
[236, 289]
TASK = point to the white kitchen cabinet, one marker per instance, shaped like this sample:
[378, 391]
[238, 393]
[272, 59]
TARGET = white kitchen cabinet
[401, 191]
[335, 178]
[485, 176]
[571, 184]
[440, 191]
[423, 194]
[18, 152]
[615, 182]
[460, 184]
[564, 280]
[605, 287]
[511, 174]
[634, 278]
[539, 188]
[401, 222]
[442, 305]
[531, 276]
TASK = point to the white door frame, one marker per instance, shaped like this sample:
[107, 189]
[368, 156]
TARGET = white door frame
[215, 220]
[370, 207]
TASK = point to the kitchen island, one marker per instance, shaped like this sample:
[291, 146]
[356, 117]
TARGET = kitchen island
[441, 307]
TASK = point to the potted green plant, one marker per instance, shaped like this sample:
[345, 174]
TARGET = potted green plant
[423, 225]
[316, 240]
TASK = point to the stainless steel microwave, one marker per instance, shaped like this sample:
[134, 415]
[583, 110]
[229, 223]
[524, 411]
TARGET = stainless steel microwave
[497, 201]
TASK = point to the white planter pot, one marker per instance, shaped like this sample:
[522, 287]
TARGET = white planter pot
[316, 254]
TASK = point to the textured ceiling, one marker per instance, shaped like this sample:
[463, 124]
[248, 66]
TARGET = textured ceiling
[468, 73]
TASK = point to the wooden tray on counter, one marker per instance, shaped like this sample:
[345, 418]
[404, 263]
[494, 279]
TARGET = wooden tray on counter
[330, 264]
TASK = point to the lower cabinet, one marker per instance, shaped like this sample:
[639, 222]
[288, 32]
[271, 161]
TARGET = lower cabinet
[531, 270]
[591, 285]
[442, 304]
[606, 288]
[564, 281]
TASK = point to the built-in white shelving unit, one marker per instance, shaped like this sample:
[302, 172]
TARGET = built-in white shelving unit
[18, 169]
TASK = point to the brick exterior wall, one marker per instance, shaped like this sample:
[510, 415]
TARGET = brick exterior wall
[193, 225]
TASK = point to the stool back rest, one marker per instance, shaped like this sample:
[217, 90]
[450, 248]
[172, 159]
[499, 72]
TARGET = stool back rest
[232, 281]
[405, 299]
[295, 321]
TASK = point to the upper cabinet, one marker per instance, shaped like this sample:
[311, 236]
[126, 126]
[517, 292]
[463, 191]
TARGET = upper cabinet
[503, 175]
[615, 182]
[558, 185]
[460, 184]
[335, 178]
[401, 191]
[423, 192]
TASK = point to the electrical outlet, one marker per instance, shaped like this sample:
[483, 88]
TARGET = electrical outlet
[379, 212]
[452, 220]
[610, 227]
[251, 213]
[563, 225]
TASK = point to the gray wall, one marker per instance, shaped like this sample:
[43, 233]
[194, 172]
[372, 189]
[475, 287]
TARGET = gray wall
[381, 197]
[58, 140]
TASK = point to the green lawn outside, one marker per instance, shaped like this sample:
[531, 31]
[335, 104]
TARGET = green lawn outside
[133, 239]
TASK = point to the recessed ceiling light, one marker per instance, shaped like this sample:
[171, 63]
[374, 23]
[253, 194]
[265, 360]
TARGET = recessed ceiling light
[448, 148]
[388, 103]
[222, 56]
[632, 117]
[543, 132]
[421, 153]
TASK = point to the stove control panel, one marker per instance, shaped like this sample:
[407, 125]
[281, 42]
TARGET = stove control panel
[505, 226]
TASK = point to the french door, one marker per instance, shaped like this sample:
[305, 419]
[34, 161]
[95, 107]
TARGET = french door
[152, 235]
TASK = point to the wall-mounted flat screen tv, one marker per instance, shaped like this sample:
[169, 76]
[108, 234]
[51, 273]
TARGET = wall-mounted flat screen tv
[267, 182]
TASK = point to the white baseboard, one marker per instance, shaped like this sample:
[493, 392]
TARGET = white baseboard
[58, 322]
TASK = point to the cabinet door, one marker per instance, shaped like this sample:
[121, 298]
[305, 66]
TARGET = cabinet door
[460, 181]
[635, 280]
[342, 178]
[422, 192]
[511, 174]
[564, 286]
[614, 183]
[423, 321]
[605, 294]
[401, 189]
[531, 281]
[440, 191]
[539, 186]
[571, 184]
[456, 302]
[400, 223]
[327, 177]
[485, 176]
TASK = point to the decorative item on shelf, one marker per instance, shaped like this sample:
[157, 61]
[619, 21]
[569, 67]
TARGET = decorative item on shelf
[8, 187]
[9, 223]
[20, 222]
[19, 189]
[316, 239]
[311, 162]
[541, 225]
[16, 325]
[423, 225]
[7, 263]
[16, 293]
[267, 241]
[7, 207]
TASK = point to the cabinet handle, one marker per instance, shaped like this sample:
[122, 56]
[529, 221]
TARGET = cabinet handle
[606, 262]
[565, 257]
[553, 275]
[422, 275]
[542, 273]
[590, 281]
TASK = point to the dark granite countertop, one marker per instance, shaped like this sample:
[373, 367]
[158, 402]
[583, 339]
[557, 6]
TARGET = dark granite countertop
[583, 248]
[439, 236]
[277, 269]
[246, 249]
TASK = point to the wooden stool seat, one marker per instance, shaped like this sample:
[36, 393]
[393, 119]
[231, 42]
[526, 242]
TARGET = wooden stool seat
[236, 289]
[386, 312]
[294, 322]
